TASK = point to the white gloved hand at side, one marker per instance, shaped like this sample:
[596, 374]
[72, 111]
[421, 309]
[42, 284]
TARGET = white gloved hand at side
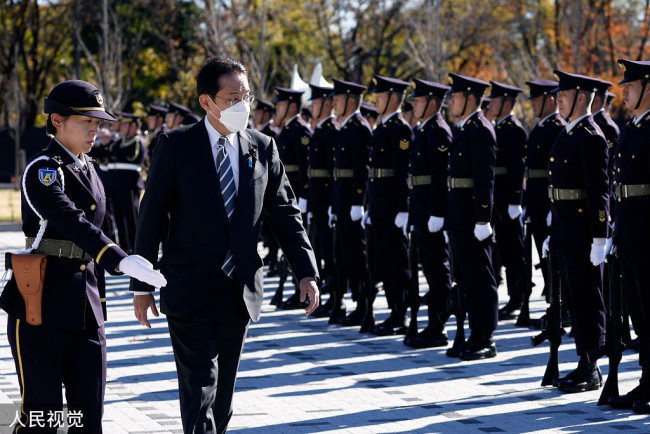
[302, 204]
[545, 246]
[610, 248]
[331, 217]
[435, 223]
[482, 232]
[310, 215]
[446, 235]
[514, 211]
[356, 213]
[139, 268]
[548, 219]
[401, 218]
[598, 253]
[365, 220]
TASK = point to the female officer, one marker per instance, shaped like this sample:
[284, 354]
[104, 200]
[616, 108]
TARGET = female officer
[63, 206]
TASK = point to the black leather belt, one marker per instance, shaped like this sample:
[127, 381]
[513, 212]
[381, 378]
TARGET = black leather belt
[459, 182]
[623, 191]
[536, 173]
[59, 248]
[318, 173]
[566, 193]
[415, 180]
[374, 173]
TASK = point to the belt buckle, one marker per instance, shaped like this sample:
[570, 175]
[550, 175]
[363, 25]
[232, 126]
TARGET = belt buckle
[624, 192]
[409, 181]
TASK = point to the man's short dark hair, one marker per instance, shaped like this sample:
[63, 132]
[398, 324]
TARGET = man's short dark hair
[207, 81]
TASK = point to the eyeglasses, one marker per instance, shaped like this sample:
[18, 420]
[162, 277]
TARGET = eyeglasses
[232, 101]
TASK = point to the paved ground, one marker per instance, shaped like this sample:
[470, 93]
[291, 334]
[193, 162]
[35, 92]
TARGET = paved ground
[299, 375]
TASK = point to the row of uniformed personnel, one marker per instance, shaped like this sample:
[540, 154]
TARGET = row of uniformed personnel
[476, 180]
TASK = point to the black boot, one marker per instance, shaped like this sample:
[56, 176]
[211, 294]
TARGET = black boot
[324, 309]
[479, 346]
[355, 318]
[294, 302]
[585, 377]
[639, 396]
[394, 325]
[430, 337]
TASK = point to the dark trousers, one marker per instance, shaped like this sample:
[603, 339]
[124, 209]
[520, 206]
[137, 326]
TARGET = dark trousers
[636, 293]
[46, 358]
[392, 258]
[539, 231]
[582, 290]
[476, 277]
[323, 233]
[509, 237]
[207, 346]
[433, 254]
[351, 257]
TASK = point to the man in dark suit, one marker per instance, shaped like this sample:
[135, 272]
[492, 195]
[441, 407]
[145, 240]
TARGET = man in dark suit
[215, 196]
[472, 157]
[508, 190]
[578, 189]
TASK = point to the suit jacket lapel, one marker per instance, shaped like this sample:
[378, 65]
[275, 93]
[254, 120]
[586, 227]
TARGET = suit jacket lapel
[246, 162]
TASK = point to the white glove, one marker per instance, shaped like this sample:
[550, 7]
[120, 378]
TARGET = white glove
[446, 235]
[365, 220]
[356, 212]
[139, 268]
[514, 211]
[332, 217]
[598, 253]
[481, 232]
[545, 246]
[522, 217]
[435, 223]
[610, 248]
[548, 219]
[401, 218]
[309, 217]
[302, 204]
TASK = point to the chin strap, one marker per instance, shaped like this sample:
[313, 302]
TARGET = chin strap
[643, 83]
[573, 106]
[541, 110]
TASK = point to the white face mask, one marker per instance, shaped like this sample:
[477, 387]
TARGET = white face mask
[234, 118]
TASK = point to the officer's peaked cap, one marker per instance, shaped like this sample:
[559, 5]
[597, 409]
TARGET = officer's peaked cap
[77, 97]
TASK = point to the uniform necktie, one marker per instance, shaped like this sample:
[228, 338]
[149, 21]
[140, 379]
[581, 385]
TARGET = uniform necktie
[229, 193]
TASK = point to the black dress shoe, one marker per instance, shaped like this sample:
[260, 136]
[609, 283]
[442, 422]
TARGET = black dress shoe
[641, 407]
[337, 314]
[582, 379]
[323, 311]
[294, 302]
[638, 394]
[508, 311]
[479, 351]
[427, 338]
[354, 319]
[390, 327]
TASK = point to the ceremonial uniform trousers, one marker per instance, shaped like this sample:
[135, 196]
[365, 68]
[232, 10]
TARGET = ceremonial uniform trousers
[508, 188]
[472, 156]
[69, 347]
[632, 231]
[428, 167]
[319, 194]
[579, 206]
[388, 195]
[349, 179]
[536, 199]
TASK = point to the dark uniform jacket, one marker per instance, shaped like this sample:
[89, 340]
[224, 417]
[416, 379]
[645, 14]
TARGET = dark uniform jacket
[73, 205]
[472, 155]
[186, 185]
[267, 130]
[321, 157]
[612, 134]
[293, 145]
[429, 156]
[578, 160]
[541, 139]
[351, 152]
[511, 139]
[631, 167]
[389, 149]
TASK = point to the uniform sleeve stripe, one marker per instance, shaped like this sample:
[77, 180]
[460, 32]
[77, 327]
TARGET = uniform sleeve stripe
[102, 251]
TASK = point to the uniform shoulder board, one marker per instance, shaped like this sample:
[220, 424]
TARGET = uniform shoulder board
[591, 133]
[56, 158]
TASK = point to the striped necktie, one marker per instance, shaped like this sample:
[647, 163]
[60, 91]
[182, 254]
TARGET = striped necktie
[229, 193]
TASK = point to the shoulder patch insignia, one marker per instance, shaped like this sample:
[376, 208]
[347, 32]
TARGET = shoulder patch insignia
[404, 144]
[610, 144]
[602, 216]
[47, 176]
[443, 148]
[484, 206]
[304, 140]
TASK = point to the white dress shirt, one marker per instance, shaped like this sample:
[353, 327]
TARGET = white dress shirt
[232, 147]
